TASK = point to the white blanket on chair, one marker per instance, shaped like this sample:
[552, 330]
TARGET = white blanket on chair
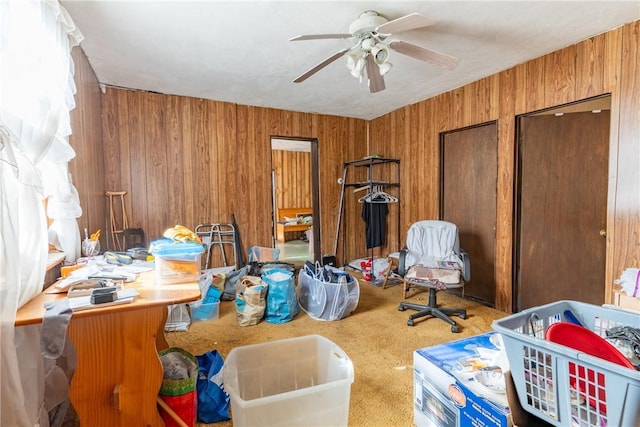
[433, 244]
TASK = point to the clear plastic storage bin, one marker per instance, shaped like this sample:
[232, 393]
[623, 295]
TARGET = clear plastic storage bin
[304, 381]
[204, 310]
[543, 371]
[176, 262]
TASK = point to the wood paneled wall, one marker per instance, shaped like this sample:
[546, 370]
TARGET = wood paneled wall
[186, 160]
[189, 161]
[292, 170]
[607, 63]
[87, 168]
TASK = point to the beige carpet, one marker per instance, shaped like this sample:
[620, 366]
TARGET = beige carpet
[375, 337]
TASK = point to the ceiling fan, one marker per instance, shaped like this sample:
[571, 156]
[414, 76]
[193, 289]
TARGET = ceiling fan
[370, 51]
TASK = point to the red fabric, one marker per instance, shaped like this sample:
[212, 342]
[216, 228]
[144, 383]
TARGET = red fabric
[185, 406]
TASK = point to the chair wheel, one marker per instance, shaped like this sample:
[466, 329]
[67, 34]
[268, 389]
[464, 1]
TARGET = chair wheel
[401, 308]
[463, 316]
[455, 329]
[410, 322]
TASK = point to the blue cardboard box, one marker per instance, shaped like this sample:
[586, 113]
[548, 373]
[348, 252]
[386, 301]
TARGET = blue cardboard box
[461, 383]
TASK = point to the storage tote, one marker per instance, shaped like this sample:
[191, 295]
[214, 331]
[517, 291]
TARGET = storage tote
[607, 394]
[303, 381]
[176, 262]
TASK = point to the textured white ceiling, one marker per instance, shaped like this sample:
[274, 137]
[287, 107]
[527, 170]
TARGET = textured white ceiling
[238, 51]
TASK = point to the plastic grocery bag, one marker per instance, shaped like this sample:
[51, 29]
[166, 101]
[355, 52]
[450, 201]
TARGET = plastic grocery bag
[251, 295]
[178, 319]
[231, 281]
[213, 401]
[282, 305]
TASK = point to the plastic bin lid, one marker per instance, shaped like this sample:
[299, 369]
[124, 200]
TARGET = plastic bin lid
[167, 248]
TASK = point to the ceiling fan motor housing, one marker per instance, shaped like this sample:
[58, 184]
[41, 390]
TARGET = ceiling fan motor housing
[367, 22]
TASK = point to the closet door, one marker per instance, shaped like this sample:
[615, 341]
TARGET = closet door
[468, 197]
[563, 163]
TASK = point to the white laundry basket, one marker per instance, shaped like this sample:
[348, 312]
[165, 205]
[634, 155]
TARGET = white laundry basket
[541, 369]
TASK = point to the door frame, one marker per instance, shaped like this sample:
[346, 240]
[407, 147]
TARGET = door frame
[441, 197]
[587, 104]
[315, 191]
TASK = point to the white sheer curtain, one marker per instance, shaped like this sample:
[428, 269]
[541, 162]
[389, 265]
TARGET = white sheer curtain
[36, 94]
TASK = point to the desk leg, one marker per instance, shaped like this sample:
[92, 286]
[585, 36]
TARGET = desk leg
[161, 338]
[119, 373]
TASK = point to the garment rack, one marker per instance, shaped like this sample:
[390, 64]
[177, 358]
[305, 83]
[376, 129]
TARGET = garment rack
[370, 183]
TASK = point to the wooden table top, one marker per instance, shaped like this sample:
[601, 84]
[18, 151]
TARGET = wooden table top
[151, 295]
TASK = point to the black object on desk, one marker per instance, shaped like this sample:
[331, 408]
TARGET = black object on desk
[103, 295]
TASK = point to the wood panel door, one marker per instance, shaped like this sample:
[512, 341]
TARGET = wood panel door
[562, 202]
[468, 196]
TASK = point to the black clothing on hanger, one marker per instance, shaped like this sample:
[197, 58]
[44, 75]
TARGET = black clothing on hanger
[374, 215]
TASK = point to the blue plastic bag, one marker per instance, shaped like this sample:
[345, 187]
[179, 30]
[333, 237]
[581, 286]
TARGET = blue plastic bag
[213, 400]
[282, 304]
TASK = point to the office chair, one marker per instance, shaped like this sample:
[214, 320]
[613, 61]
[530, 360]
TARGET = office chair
[433, 259]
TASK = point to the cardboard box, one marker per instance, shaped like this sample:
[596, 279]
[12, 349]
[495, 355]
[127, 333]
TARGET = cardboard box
[621, 299]
[458, 384]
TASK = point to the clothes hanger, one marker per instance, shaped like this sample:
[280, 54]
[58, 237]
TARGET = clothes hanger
[376, 195]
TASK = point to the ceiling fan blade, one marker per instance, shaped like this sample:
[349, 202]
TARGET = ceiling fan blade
[427, 55]
[405, 23]
[376, 81]
[321, 65]
[320, 37]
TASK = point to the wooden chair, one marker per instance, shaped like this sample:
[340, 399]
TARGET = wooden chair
[122, 237]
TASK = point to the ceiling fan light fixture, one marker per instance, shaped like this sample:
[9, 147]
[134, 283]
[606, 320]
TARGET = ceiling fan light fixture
[351, 61]
[380, 53]
[385, 67]
[358, 69]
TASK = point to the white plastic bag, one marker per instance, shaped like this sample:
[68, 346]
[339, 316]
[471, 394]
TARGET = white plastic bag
[178, 319]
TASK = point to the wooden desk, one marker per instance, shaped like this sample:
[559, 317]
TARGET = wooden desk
[119, 373]
[54, 263]
[282, 229]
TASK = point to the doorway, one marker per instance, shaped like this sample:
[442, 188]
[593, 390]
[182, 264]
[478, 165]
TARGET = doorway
[561, 204]
[468, 185]
[295, 193]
